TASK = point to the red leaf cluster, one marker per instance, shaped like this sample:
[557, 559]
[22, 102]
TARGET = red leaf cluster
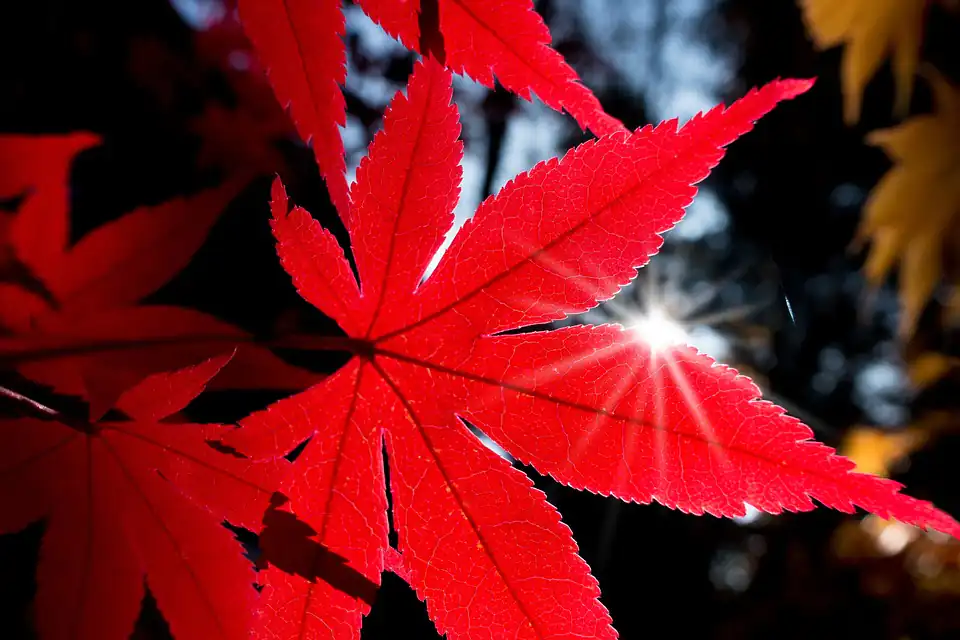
[300, 44]
[132, 501]
[60, 297]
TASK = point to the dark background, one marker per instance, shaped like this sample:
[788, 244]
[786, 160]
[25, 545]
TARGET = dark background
[179, 111]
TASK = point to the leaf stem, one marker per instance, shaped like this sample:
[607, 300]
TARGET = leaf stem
[40, 411]
[14, 351]
[34, 406]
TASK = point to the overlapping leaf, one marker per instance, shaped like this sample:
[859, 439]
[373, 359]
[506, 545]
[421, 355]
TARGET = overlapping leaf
[300, 44]
[506, 39]
[594, 407]
[88, 292]
[872, 30]
[112, 494]
[37, 169]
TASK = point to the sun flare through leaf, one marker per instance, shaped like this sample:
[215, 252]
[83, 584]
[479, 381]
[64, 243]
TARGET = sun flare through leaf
[624, 412]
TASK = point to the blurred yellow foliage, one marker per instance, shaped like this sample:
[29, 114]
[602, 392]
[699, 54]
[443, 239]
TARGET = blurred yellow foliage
[930, 559]
[877, 450]
[911, 220]
[872, 30]
[929, 367]
[912, 212]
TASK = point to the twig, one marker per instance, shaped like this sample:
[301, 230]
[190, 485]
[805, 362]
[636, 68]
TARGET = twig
[35, 409]
[14, 352]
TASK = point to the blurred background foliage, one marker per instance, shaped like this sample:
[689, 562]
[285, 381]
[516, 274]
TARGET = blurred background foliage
[820, 258]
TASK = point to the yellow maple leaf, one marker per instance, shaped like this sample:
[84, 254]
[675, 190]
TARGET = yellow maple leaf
[930, 367]
[912, 212]
[872, 30]
[877, 450]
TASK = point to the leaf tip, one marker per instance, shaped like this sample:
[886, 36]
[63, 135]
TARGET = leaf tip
[793, 87]
[278, 199]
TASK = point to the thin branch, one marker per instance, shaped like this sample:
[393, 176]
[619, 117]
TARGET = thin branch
[34, 409]
[34, 406]
[14, 352]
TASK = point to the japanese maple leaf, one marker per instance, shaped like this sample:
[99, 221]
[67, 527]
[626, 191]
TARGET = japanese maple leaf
[594, 407]
[300, 44]
[872, 30]
[88, 292]
[130, 504]
[37, 169]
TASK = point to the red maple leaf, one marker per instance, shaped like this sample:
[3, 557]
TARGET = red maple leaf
[506, 38]
[300, 44]
[595, 407]
[88, 292]
[37, 169]
[130, 504]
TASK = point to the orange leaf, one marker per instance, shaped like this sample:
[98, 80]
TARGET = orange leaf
[871, 31]
[913, 209]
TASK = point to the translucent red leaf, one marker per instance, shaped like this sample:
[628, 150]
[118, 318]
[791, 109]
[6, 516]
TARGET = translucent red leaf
[320, 582]
[125, 260]
[101, 354]
[299, 42]
[31, 162]
[112, 494]
[506, 39]
[19, 308]
[572, 231]
[590, 406]
[509, 39]
[399, 19]
[393, 562]
[38, 168]
[164, 394]
[482, 546]
[414, 165]
[406, 189]
[615, 417]
[85, 488]
[94, 285]
[324, 277]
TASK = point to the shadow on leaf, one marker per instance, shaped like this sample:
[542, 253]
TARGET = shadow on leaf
[287, 544]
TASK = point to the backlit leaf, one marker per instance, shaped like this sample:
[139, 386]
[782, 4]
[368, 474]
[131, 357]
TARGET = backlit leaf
[118, 520]
[596, 408]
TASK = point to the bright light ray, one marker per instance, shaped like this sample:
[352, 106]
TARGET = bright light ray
[663, 334]
[658, 330]
[660, 435]
[693, 403]
[729, 315]
[667, 334]
[611, 403]
[656, 327]
[557, 369]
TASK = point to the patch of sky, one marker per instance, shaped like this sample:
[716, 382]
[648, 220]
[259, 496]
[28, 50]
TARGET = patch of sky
[879, 389]
[200, 14]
